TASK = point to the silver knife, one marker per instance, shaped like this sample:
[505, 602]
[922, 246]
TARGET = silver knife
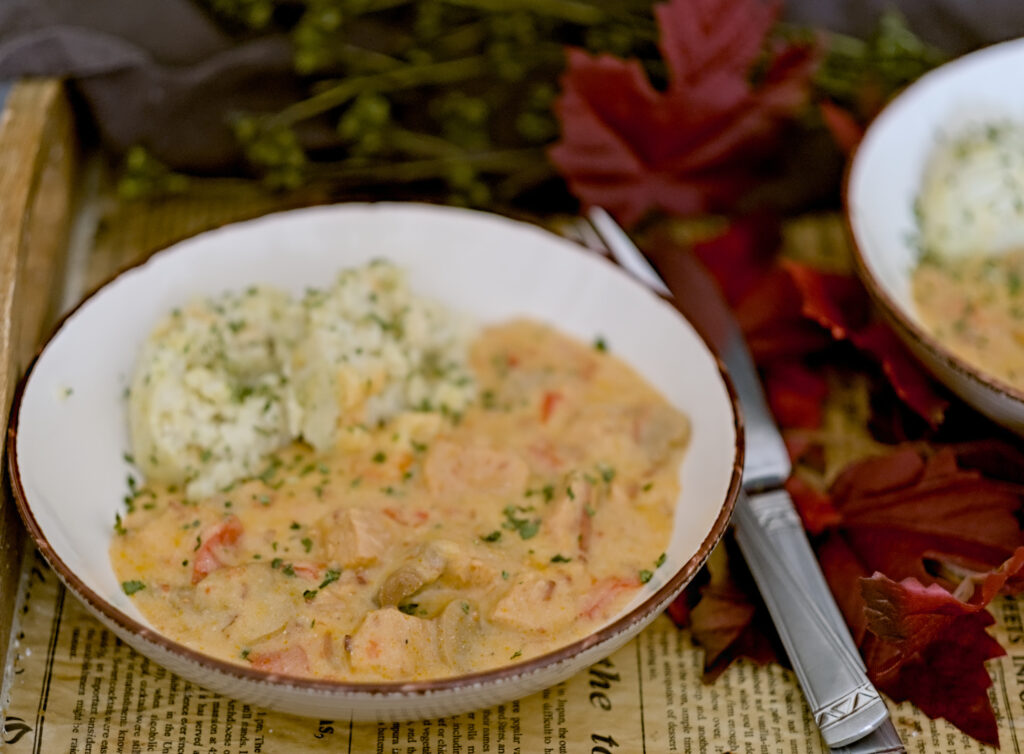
[847, 708]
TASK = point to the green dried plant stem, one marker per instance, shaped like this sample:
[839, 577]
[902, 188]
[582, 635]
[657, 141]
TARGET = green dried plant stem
[370, 173]
[375, 6]
[526, 178]
[580, 13]
[411, 76]
[460, 41]
[423, 145]
[367, 61]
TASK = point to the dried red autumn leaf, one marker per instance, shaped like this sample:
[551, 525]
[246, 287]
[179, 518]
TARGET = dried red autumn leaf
[928, 523]
[839, 303]
[842, 125]
[795, 394]
[630, 148]
[904, 515]
[724, 624]
[924, 637]
[762, 296]
[815, 508]
[725, 614]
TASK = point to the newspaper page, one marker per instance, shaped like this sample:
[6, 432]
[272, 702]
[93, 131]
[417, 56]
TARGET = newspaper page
[77, 688]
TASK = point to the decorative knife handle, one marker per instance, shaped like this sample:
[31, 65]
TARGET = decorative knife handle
[845, 705]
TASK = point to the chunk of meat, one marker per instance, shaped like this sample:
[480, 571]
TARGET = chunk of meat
[245, 602]
[659, 430]
[463, 568]
[452, 469]
[537, 604]
[394, 645]
[210, 555]
[290, 661]
[354, 536]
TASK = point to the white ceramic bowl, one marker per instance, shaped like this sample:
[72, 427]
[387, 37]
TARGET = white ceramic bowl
[65, 451]
[884, 180]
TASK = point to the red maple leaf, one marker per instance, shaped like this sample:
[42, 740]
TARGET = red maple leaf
[725, 614]
[930, 530]
[789, 311]
[929, 646]
[795, 394]
[840, 304]
[630, 148]
[842, 125]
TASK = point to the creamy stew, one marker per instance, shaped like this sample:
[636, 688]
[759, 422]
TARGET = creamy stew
[975, 306]
[432, 545]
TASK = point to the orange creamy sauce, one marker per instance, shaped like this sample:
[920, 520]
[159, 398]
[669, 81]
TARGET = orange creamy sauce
[427, 548]
[975, 307]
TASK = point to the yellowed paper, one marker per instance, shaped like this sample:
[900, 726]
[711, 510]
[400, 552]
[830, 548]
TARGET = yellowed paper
[76, 688]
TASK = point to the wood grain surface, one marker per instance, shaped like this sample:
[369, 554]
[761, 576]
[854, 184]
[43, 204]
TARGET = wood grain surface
[38, 159]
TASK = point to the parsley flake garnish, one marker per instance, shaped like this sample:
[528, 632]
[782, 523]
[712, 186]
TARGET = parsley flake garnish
[131, 587]
[332, 575]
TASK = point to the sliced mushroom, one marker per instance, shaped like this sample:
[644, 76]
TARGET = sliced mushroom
[423, 568]
[458, 629]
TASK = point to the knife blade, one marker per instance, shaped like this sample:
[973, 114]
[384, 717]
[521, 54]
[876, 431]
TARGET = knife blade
[847, 708]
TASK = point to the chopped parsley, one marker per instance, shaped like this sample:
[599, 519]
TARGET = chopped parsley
[527, 528]
[309, 594]
[409, 608]
[380, 457]
[660, 561]
[131, 587]
[494, 536]
[600, 344]
[295, 525]
[332, 575]
[646, 576]
[518, 653]
[245, 653]
[307, 544]
[465, 608]
[560, 558]
[119, 525]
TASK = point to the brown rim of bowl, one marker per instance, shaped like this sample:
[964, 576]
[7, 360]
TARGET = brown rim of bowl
[638, 614]
[894, 312]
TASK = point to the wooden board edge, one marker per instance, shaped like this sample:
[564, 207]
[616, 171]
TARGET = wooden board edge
[38, 170]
